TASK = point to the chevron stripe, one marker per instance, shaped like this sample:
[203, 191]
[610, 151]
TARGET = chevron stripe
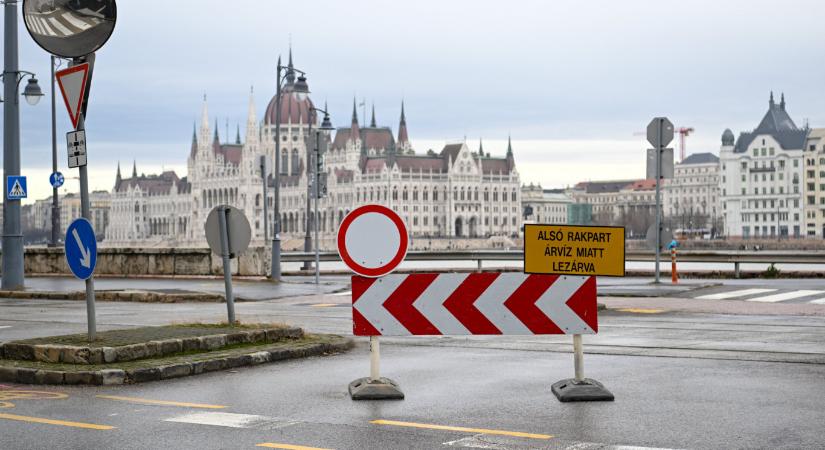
[480, 304]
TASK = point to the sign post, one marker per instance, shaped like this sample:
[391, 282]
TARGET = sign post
[80, 249]
[372, 242]
[87, 34]
[228, 234]
[659, 134]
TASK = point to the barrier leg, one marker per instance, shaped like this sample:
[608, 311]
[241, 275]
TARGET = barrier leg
[674, 276]
[580, 389]
[374, 387]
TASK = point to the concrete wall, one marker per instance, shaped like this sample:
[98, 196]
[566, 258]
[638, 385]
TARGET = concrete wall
[152, 261]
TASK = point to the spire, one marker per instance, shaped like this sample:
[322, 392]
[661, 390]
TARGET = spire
[509, 147]
[216, 139]
[117, 177]
[782, 102]
[771, 102]
[204, 136]
[355, 131]
[480, 147]
[251, 118]
[403, 138]
[194, 148]
[290, 73]
[372, 122]
[238, 134]
[134, 168]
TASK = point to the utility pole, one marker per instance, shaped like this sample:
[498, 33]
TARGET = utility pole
[55, 200]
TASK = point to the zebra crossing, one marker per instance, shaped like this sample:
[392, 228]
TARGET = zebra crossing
[59, 25]
[767, 295]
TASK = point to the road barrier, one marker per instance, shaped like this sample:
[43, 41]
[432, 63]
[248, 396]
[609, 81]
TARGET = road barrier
[674, 276]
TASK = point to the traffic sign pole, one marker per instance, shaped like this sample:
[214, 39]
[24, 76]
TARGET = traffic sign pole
[658, 200]
[227, 265]
[86, 211]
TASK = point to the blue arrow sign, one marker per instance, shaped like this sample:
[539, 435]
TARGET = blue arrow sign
[56, 180]
[16, 187]
[81, 248]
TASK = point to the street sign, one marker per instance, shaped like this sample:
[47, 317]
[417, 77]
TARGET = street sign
[76, 148]
[372, 240]
[81, 248]
[488, 303]
[650, 238]
[667, 163]
[73, 83]
[16, 187]
[238, 230]
[56, 179]
[574, 250]
[70, 28]
[656, 140]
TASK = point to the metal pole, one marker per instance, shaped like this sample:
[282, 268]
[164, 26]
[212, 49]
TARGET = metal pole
[55, 203]
[658, 200]
[317, 195]
[227, 267]
[578, 357]
[13, 278]
[375, 359]
[276, 212]
[266, 208]
[86, 212]
[308, 235]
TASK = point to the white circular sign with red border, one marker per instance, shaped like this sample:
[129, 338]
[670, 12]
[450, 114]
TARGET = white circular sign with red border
[372, 240]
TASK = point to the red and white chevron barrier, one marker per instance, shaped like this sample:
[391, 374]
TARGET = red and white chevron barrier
[475, 303]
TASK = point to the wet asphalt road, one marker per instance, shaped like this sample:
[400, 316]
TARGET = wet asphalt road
[681, 380]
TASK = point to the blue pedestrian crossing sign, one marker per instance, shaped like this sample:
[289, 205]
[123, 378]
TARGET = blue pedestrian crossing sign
[56, 180]
[16, 187]
[81, 248]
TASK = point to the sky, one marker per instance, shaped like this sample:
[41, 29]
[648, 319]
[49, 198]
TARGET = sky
[572, 82]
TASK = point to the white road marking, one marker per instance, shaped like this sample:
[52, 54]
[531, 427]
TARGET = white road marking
[59, 26]
[4, 326]
[784, 296]
[734, 294]
[819, 301]
[341, 294]
[231, 420]
[76, 22]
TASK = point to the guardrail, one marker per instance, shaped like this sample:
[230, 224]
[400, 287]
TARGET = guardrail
[734, 257]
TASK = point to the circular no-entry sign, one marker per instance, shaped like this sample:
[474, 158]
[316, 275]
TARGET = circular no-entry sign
[372, 240]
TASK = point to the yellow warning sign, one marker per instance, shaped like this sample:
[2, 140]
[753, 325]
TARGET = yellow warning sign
[574, 250]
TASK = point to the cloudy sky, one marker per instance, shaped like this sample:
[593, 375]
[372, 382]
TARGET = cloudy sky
[571, 81]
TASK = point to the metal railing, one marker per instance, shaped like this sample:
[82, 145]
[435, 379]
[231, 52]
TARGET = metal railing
[734, 257]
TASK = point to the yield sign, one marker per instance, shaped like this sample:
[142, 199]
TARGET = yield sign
[73, 83]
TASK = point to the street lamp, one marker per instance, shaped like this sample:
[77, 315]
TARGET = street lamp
[13, 278]
[300, 89]
[315, 189]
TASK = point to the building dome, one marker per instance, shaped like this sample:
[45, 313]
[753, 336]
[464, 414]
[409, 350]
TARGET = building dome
[293, 109]
[727, 137]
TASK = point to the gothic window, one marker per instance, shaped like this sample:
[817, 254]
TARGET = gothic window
[395, 193]
[295, 162]
[425, 195]
[455, 193]
[257, 200]
[435, 195]
[404, 195]
[513, 197]
[486, 196]
[495, 196]
[475, 194]
[415, 194]
[284, 161]
[462, 193]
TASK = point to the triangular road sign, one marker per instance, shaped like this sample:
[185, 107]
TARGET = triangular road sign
[73, 83]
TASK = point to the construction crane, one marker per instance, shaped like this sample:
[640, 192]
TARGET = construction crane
[683, 133]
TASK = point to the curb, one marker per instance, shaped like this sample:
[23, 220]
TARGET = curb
[107, 377]
[121, 296]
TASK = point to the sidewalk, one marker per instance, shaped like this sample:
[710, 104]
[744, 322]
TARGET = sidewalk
[191, 289]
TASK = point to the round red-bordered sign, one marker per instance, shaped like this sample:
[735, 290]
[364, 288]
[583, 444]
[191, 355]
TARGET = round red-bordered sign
[372, 240]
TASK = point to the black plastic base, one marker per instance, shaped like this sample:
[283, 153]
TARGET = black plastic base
[584, 391]
[382, 389]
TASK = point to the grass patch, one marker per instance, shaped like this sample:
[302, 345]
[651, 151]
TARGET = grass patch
[184, 357]
[117, 338]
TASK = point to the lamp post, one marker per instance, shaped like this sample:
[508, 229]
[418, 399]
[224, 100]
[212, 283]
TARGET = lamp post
[13, 278]
[276, 213]
[326, 127]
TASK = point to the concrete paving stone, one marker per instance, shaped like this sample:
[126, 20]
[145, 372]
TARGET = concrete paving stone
[75, 355]
[171, 346]
[197, 367]
[47, 353]
[18, 351]
[109, 355]
[190, 344]
[153, 349]
[112, 376]
[48, 377]
[259, 358]
[144, 374]
[213, 342]
[238, 361]
[175, 371]
[214, 365]
[96, 355]
[83, 377]
[8, 374]
[257, 335]
[236, 338]
[26, 375]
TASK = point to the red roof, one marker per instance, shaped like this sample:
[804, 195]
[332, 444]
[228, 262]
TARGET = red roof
[231, 152]
[642, 185]
[420, 163]
[495, 165]
[292, 109]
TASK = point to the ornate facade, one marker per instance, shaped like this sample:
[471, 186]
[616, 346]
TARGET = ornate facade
[454, 193]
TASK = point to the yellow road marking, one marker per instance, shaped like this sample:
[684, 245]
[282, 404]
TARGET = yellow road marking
[288, 446]
[160, 402]
[642, 310]
[462, 429]
[6, 395]
[323, 305]
[65, 423]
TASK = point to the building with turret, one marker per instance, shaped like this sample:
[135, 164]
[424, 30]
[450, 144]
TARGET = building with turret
[762, 177]
[454, 193]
